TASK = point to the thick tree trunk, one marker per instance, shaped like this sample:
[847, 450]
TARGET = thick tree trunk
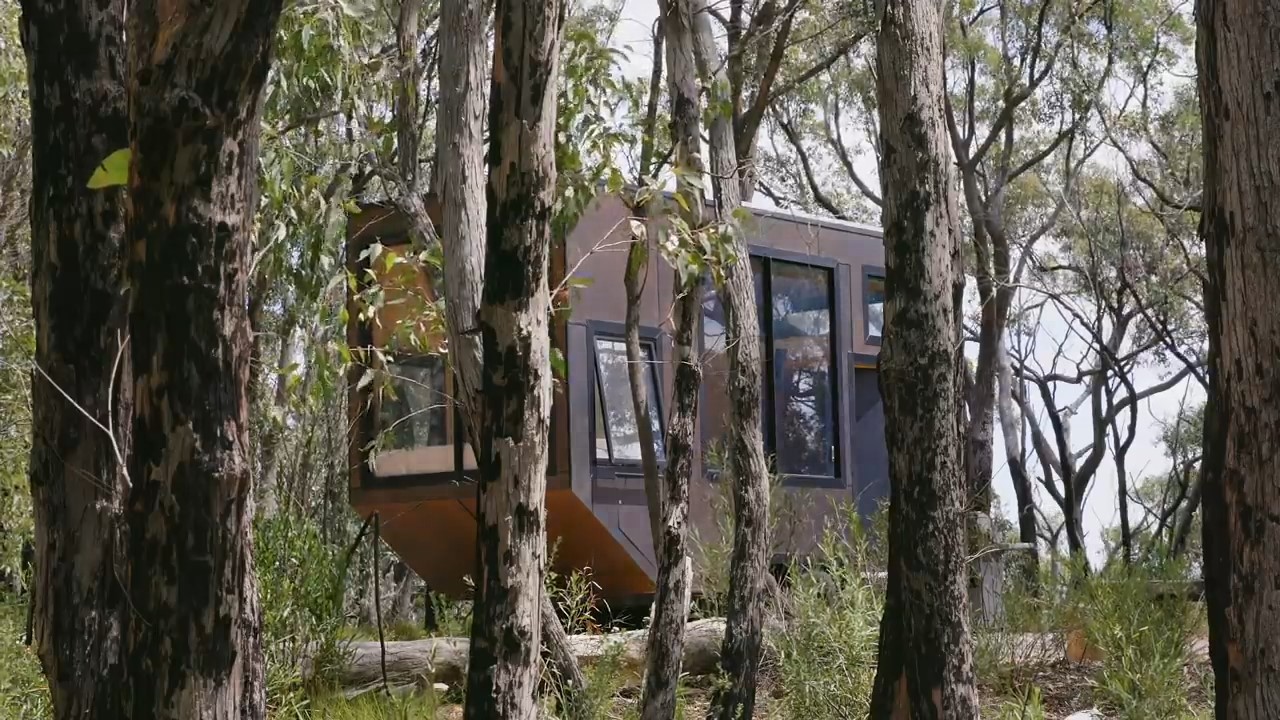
[925, 666]
[502, 680]
[460, 157]
[193, 635]
[1238, 53]
[78, 117]
[746, 466]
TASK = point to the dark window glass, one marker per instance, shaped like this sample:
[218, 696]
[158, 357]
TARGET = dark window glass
[616, 427]
[875, 306]
[801, 305]
[797, 351]
[414, 408]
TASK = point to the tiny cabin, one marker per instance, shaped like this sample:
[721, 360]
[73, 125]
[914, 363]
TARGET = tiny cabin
[820, 292]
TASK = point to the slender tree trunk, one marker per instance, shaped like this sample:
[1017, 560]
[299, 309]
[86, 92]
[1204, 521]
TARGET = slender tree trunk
[193, 635]
[408, 110]
[460, 155]
[77, 478]
[638, 374]
[1011, 431]
[746, 466]
[925, 665]
[1238, 53]
[502, 679]
[665, 644]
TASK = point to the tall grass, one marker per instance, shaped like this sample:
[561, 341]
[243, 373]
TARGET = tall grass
[23, 690]
[826, 641]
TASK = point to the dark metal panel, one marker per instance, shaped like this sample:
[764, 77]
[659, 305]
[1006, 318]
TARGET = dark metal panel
[841, 349]
[870, 450]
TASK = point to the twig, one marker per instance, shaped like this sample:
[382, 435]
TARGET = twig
[377, 598]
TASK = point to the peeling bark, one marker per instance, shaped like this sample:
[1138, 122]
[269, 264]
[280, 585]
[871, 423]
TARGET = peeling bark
[502, 679]
[925, 664]
[77, 480]
[1238, 53]
[193, 635]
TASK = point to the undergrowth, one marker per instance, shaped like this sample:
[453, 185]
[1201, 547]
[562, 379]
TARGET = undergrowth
[23, 690]
[826, 641]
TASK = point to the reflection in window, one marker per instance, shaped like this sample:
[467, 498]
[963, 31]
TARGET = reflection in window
[616, 427]
[801, 309]
[414, 411]
[875, 306]
[797, 353]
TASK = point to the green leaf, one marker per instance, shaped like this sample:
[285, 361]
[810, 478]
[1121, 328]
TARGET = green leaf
[558, 364]
[113, 171]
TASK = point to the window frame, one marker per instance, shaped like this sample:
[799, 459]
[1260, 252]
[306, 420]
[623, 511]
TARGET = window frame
[841, 478]
[868, 273]
[616, 332]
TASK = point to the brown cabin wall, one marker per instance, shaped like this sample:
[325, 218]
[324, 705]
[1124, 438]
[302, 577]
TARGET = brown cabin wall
[596, 254]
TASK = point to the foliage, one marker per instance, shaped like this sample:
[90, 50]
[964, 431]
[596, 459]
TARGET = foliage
[1144, 638]
[23, 690]
[827, 641]
[301, 581]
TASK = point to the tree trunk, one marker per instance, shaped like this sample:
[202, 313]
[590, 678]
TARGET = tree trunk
[193, 635]
[77, 476]
[1011, 431]
[502, 679]
[1238, 55]
[408, 111]
[669, 502]
[460, 155]
[746, 466]
[925, 666]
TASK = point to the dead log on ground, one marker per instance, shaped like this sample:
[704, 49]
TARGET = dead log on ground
[444, 660]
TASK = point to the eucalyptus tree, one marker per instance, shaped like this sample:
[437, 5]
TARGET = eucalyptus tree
[513, 318]
[79, 395]
[192, 637]
[1238, 51]
[925, 657]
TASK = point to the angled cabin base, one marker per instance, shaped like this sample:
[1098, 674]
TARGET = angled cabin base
[820, 296]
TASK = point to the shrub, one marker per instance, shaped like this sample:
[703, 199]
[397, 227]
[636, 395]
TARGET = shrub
[827, 643]
[1144, 639]
[301, 579]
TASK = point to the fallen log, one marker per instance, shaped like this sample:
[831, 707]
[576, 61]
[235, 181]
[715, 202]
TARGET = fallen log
[444, 660]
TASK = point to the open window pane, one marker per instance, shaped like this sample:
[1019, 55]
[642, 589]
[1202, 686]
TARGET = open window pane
[875, 306]
[616, 425]
[802, 355]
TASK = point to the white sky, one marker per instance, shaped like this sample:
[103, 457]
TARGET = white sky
[1146, 456]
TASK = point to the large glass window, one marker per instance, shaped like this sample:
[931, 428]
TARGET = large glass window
[617, 434]
[417, 431]
[797, 351]
[874, 306]
[414, 406]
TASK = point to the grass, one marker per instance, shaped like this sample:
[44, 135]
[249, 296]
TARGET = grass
[23, 690]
